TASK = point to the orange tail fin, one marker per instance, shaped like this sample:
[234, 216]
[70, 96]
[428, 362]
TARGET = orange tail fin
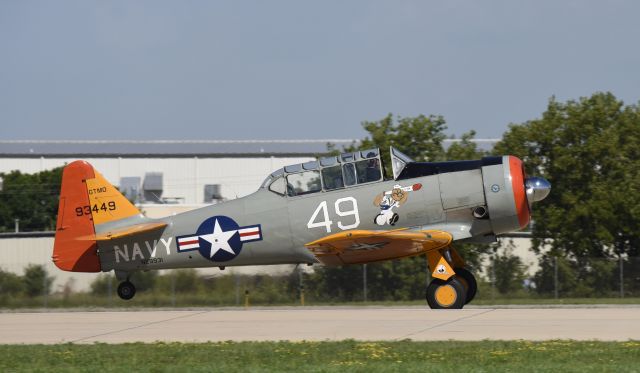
[86, 199]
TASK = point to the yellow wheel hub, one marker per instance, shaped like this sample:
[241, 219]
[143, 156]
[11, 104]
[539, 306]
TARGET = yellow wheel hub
[446, 295]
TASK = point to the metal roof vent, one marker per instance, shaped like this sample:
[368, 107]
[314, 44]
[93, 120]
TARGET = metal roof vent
[152, 187]
[130, 188]
[212, 193]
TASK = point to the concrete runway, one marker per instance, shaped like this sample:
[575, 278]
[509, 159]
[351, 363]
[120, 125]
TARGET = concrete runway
[614, 323]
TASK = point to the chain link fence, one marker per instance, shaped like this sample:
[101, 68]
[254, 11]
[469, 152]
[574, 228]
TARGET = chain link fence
[501, 280]
[562, 278]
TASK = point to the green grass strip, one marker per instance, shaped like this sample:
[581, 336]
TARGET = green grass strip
[349, 355]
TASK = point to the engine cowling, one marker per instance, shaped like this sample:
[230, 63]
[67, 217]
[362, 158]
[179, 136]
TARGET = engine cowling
[510, 194]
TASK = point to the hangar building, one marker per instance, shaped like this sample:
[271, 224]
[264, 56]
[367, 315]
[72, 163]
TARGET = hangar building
[187, 172]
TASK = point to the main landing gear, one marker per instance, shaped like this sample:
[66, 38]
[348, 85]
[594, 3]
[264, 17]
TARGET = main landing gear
[468, 281]
[126, 289]
[452, 286]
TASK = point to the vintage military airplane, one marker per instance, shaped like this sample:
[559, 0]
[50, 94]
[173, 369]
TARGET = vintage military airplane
[336, 210]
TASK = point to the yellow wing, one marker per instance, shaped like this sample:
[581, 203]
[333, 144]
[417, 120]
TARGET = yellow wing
[361, 246]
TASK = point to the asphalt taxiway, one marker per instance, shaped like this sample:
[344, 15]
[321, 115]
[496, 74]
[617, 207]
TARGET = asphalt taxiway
[613, 323]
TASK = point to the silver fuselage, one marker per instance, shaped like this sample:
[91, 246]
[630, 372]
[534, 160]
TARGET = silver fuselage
[442, 200]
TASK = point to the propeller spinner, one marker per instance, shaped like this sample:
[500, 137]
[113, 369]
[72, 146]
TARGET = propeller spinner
[537, 189]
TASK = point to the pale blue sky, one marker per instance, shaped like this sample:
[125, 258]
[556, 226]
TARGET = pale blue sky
[301, 69]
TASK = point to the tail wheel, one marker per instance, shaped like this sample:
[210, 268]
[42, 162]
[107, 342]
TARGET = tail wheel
[126, 290]
[469, 281]
[449, 294]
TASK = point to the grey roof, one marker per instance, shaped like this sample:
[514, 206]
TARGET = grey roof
[177, 148]
[164, 148]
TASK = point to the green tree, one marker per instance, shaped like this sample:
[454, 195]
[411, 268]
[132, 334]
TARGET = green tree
[10, 284]
[589, 150]
[36, 280]
[32, 198]
[100, 285]
[144, 280]
[421, 138]
[599, 278]
[336, 283]
[184, 280]
[562, 269]
[509, 271]
[403, 279]
[464, 148]
[400, 279]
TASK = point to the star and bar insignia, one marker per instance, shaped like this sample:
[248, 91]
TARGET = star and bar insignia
[219, 238]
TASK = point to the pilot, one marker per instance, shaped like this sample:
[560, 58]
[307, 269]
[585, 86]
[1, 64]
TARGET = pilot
[373, 168]
[290, 190]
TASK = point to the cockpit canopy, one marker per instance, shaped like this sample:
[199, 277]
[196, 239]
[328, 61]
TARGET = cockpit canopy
[398, 161]
[325, 174]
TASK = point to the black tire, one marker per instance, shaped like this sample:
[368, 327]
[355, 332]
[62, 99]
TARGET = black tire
[469, 281]
[126, 290]
[449, 294]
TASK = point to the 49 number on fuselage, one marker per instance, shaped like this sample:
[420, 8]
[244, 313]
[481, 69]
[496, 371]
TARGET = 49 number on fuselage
[327, 223]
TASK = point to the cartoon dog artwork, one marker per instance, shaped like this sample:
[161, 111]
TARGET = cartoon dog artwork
[395, 197]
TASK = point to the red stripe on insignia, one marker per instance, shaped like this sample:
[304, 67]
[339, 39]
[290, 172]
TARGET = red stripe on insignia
[251, 233]
[188, 242]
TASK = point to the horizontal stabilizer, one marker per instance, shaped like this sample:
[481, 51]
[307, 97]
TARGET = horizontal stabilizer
[362, 246]
[128, 231]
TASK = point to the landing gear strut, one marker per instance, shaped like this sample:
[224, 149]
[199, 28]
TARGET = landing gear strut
[450, 288]
[126, 290]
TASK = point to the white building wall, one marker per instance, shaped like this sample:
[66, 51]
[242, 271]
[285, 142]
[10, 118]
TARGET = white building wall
[522, 248]
[182, 177]
[17, 253]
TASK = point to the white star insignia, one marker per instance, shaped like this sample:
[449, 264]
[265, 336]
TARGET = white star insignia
[219, 240]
